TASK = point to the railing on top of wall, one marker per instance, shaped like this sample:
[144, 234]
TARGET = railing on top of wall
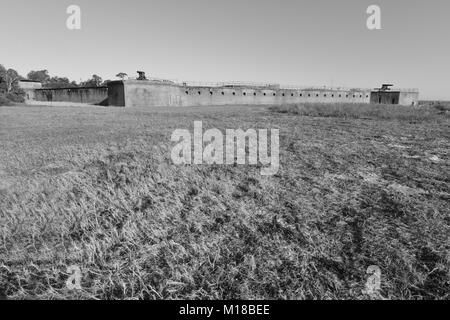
[411, 90]
[228, 84]
[155, 79]
[266, 85]
[249, 84]
[321, 88]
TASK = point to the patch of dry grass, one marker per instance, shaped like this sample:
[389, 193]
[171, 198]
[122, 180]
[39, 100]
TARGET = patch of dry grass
[95, 187]
[363, 111]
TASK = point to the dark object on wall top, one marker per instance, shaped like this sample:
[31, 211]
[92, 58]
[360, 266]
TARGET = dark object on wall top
[141, 75]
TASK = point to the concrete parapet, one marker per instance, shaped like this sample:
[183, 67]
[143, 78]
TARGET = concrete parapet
[135, 93]
[87, 95]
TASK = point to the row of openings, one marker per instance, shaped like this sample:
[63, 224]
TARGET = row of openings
[274, 94]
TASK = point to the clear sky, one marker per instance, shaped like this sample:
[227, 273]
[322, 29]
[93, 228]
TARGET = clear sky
[305, 42]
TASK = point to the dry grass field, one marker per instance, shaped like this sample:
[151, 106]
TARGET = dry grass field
[95, 187]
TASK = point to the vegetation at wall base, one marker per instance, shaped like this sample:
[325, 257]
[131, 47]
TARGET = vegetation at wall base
[365, 111]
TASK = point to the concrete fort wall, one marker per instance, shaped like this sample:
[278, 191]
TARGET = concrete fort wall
[148, 93]
[28, 88]
[88, 95]
[405, 97]
[116, 93]
[385, 97]
[259, 96]
[409, 98]
[142, 93]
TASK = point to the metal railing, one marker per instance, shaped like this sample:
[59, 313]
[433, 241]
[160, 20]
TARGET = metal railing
[321, 88]
[412, 90]
[229, 84]
[267, 85]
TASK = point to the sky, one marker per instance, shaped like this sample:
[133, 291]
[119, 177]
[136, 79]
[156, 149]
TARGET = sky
[298, 42]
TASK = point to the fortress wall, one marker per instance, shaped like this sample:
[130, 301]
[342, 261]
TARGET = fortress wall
[29, 95]
[116, 93]
[409, 98]
[89, 95]
[29, 87]
[405, 98]
[147, 93]
[385, 97]
[192, 96]
[154, 93]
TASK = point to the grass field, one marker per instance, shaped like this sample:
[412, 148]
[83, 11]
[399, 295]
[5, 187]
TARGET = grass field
[95, 187]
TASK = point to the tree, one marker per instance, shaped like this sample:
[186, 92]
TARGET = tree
[41, 76]
[58, 82]
[9, 86]
[121, 75]
[95, 81]
[2, 78]
[9, 79]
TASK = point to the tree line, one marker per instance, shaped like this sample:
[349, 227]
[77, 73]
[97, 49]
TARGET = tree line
[47, 81]
[9, 79]
[9, 88]
[11, 92]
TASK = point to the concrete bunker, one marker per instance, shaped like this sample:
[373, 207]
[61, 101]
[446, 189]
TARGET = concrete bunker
[387, 95]
[152, 92]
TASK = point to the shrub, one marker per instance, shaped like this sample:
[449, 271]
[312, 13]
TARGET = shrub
[7, 99]
[4, 101]
[17, 97]
[442, 107]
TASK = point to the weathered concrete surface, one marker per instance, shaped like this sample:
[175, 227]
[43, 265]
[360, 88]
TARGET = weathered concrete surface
[385, 97]
[116, 93]
[29, 87]
[409, 98]
[148, 93]
[405, 98]
[88, 95]
[143, 93]
[29, 84]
